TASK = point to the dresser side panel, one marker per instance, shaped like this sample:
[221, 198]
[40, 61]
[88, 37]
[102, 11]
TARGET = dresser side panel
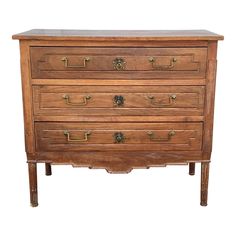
[27, 97]
[209, 99]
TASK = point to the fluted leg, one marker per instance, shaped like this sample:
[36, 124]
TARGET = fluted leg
[204, 182]
[48, 169]
[33, 184]
[191, 168]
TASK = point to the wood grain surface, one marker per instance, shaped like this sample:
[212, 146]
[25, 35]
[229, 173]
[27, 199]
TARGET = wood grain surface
[107, 35]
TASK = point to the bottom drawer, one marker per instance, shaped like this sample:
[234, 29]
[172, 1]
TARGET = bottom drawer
[117, 136]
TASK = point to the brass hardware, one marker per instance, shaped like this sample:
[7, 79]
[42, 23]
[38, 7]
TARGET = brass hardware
[66, 97]
[69, 139]
[119, 64]
[172, 99]
[162, 67]
[169, 135]
[66, 63]
[119, 137]
[118, 100]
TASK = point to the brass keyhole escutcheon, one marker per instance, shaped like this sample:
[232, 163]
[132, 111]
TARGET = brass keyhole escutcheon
[119, 137]
[118, 100]
[119, 64]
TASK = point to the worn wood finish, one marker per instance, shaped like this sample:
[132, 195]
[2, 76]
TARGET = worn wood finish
[146, 82]
[118, 35]
[115, 119]
[114, 43]
[101, 159]
[117, 137]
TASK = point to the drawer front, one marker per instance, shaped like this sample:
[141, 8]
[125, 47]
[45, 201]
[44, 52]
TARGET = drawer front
[79, 62]
[118, 136]
[118, 100]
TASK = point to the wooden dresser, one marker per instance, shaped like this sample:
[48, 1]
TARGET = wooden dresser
[118, 100]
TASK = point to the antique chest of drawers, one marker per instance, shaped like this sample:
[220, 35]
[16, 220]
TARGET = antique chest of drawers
[118, 100]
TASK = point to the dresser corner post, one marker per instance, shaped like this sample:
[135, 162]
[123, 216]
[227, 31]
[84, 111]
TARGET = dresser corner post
[48, 169]
[32, 167]
[204, 182]
[208, 118]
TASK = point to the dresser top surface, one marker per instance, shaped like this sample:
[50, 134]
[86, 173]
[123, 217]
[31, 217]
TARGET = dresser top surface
[159, 35]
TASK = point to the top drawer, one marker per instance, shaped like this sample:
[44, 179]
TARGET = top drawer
[127, 63]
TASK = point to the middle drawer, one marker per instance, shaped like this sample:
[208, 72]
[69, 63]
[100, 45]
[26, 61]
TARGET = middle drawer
[118, 100]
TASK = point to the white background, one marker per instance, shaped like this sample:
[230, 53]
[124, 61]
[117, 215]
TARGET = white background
[79, 201]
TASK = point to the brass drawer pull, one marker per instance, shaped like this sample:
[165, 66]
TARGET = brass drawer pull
[168, 138]
[119, 137]
[152, 60]
[119, 64]
[118, 100]
[66, 63]
[66, 98]
[69, 139]
[154, 101]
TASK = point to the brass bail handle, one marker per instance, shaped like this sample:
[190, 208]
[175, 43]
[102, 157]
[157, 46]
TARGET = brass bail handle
[154, 101]
[66, 63]
[155, 66]
[69, 139]
[160, 139]
[67, 100]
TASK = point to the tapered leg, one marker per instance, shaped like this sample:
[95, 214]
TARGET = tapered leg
[48, 169]
[191, 168]
[33, 184]
[204, 182]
